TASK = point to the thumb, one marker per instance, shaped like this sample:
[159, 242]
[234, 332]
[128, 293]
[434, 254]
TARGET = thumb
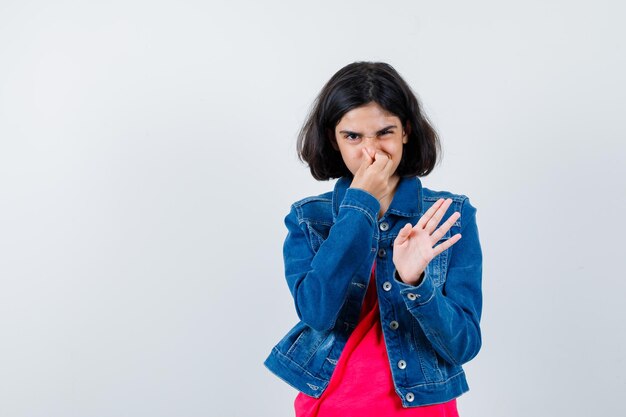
[404, 234]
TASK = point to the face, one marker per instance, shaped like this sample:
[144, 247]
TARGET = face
[373, 128]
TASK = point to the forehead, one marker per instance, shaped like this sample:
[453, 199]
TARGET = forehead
[368, 115]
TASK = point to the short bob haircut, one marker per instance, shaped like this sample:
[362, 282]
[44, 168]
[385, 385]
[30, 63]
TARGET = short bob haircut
[353, 86]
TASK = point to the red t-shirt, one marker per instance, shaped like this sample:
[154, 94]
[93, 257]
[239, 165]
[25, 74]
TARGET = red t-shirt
[361, 384]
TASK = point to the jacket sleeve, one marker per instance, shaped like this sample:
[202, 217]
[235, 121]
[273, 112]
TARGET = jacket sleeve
[450, 314]
[319, 281]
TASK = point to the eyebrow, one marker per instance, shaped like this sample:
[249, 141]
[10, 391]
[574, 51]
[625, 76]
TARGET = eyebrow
[360, 134]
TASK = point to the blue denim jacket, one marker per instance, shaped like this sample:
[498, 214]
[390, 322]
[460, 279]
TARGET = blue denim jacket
[430, 330]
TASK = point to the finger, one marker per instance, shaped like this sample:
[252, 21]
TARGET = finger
[446, 244]
[403, 234]
[380, 160]
[436, 218]
[367, 160]
[388, 169]
[438, 234]
[426, 216]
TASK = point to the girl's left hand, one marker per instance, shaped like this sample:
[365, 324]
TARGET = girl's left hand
[413, 247]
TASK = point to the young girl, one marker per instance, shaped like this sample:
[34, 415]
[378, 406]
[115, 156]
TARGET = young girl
[385, 273]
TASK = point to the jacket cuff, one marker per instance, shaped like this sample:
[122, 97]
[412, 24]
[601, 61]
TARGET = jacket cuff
[415, 296]
[361, 200]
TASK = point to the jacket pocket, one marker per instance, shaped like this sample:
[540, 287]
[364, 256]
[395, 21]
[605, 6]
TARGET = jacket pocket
[318, 233]
[438, 266]
[305, 344]
[426, 355]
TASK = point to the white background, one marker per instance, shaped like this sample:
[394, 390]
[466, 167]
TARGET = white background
[147, 160]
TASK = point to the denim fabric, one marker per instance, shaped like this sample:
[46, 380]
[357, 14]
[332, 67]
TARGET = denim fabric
[430, 330]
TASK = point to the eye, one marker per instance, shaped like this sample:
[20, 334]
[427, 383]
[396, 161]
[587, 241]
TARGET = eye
[386, 133]
[351, 137]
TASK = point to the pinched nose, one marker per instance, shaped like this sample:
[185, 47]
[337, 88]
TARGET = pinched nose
[371, 146]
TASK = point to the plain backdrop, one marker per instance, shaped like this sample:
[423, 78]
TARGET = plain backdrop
[147, 161]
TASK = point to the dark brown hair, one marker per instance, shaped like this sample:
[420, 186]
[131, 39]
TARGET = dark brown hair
[353, 86]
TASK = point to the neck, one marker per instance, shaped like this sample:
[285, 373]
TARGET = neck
[386, 200]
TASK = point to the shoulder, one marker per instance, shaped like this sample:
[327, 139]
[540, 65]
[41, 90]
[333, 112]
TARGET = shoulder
[324, 198]
[313, 209]
[460, 203]
[434, 195]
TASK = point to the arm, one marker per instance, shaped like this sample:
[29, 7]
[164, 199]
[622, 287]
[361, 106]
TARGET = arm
[319, 282]
[450, 315]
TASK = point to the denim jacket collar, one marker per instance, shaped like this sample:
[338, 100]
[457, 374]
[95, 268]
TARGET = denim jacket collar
[403, 204]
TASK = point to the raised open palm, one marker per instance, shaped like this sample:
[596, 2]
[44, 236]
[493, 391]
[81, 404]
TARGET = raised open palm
[413, 247]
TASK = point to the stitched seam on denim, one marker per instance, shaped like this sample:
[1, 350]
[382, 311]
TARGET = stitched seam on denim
[443, 345]
[435, 383]
[298, 212]
[314, 199]
[418, 349]
[402, 213]
[431, 297]
[359, 209]
[460, 224]
[415, 304]
[278, 352]
[457, 223]
[455, 197]
[313, 221]
[312, 231]
[291, 384]
[295, 343]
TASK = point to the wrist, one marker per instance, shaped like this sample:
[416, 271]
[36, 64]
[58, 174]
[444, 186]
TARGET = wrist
[414, 282]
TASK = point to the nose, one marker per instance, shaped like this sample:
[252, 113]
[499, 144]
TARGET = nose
[371, 145]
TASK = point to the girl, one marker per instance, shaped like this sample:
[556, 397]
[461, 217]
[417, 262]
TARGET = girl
[385, 274]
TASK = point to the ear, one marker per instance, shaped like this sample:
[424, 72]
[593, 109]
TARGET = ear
[406, 133]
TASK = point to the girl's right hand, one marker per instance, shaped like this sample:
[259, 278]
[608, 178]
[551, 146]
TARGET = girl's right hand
[373, 175]
[413, 247]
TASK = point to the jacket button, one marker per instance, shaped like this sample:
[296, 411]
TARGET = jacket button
[386, 285]
[384, 226]
[401, 364]
[411, 296]
[410, 397]
[394, 325]
[381, 253]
